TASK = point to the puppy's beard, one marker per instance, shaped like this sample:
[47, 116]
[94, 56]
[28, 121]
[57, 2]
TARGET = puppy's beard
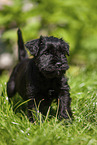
[59, 73]
[50, 70]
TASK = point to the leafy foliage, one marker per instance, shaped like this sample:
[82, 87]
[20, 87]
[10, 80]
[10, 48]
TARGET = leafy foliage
[75, 21]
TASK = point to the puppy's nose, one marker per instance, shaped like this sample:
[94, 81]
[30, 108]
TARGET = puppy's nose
[58, 64]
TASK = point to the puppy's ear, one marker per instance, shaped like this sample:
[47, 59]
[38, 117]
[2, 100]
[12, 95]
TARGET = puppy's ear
[41, 42]
[66, 45]
[33, 46]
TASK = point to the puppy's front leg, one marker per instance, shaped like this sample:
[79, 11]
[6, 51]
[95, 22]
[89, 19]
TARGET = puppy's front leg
[64, 105]
[31, 109]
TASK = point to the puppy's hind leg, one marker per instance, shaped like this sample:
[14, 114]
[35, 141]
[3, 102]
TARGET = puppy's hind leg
[11, 84]
[11, 88]
[22, 54]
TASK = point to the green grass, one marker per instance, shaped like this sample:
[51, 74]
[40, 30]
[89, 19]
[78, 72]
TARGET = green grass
[15, 128]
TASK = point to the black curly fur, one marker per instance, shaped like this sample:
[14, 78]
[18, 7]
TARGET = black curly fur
[42, 77]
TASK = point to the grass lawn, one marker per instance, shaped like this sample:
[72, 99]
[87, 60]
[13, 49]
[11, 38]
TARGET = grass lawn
[15, 128]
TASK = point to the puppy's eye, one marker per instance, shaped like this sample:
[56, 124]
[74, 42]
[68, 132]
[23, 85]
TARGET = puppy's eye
[49, 51]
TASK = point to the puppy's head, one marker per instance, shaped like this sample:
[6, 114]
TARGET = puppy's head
[50, 55]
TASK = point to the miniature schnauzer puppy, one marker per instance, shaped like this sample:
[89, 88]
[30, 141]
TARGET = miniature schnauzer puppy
[41, 78]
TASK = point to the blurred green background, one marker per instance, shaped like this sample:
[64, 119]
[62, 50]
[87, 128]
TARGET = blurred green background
[73, 20]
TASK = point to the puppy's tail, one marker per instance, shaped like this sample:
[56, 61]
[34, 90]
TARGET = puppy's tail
[22, 54]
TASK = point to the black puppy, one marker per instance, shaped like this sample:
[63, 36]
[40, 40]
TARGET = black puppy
[42, 77]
